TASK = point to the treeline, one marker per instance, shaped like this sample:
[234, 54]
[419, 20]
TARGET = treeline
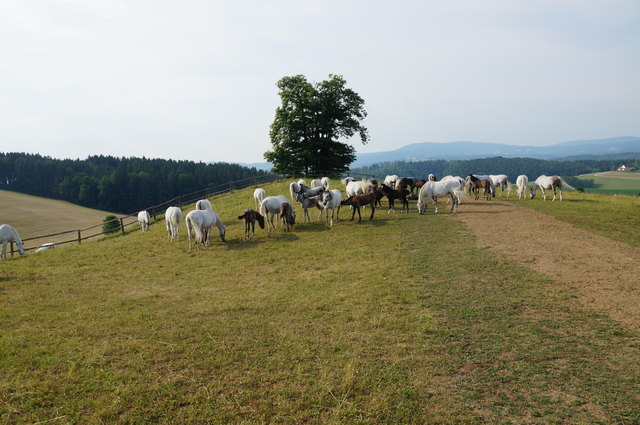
[512, 167]
[122, 185]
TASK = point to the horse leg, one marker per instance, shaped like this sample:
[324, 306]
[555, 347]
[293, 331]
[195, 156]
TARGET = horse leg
[435, 205]
[359, 216]
[353, 212]
[373, 210]
[560, 194]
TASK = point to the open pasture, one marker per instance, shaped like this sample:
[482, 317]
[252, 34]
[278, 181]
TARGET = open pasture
[36, 216]
[626, 183]
[400, 320]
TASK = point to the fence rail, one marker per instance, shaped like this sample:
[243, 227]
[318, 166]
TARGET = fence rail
[189, 198]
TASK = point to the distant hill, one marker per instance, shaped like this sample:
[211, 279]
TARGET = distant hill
[471, 150]
[612, 148]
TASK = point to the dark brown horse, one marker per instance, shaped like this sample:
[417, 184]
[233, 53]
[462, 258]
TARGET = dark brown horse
[393, 194]
[250, 217]
[477, 184]
[357, 201]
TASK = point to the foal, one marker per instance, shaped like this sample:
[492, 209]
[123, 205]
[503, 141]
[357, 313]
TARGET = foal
[393, 194]
[361, 200]
[250, 217]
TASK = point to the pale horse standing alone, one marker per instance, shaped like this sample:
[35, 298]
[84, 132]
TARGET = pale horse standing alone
[144, 219]
[9, 234]
[200, 222]
[521, 185]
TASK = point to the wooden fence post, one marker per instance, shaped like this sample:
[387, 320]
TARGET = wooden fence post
[79, 237]
[11, 249]
[122, 225]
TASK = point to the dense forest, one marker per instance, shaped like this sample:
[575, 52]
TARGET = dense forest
[121, 185]
[512, 167]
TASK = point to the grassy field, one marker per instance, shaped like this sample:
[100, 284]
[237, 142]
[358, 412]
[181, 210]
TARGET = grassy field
[626, 183]
[35, 216]
[615, 217]
[399, 320]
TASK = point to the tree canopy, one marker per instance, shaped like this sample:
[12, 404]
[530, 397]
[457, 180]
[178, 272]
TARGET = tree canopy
[310, 122]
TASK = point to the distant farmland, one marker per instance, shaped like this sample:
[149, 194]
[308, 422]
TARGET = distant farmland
[35, 216]
[626, 183]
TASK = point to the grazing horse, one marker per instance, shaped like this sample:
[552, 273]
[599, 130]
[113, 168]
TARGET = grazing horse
[549, 182]
[431, 190]
[270, 207]
[521, 184]
[309, 202]
[204, 204]
[331, 199]
[390, 180]
[250, 216]
[287, 215]
[200, 223]
[144, 219]
[393, 194]
[173, 217]
[481, 177]
[294, 188]
[304, 190]
[477, 183]
[258, 196]
[360, 200]
[9, 234]
[502, 181]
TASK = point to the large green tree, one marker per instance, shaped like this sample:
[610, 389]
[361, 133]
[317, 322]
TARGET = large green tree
[310, 122]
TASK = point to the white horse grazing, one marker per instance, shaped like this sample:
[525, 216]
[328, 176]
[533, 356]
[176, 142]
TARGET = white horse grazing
[173, 218]
[325, 182]
[270, 208]
[258, 196]
[431, 190]
[330, 200]
[294, 188]
[549, 182]
[463, 185]
[200, 223]
[521, 184]
[204, 204]
[9, 234]
[144, 219]
[502, 181]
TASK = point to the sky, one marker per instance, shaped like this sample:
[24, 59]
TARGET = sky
[196, 80]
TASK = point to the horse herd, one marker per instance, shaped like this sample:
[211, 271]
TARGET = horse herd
[360, 194]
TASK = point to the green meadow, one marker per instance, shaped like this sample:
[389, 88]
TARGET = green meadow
[403, 319]
[614, 182]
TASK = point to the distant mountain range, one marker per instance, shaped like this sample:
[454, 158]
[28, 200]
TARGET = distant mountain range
[574, 150]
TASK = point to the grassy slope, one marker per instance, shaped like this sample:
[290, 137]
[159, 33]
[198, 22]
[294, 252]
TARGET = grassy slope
[35, 216]
[614, 182]
[615, 217]
[402, 320]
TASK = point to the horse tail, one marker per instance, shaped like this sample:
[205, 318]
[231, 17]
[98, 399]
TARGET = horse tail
[263, 206]
[565, 185]
[293, 188]
[189, 222]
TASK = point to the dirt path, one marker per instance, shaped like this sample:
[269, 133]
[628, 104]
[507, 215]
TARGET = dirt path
[604, 274]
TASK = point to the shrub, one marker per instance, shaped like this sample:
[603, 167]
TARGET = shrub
[111, 224]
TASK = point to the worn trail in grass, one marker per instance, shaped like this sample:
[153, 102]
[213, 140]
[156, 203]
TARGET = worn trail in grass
[402, 320]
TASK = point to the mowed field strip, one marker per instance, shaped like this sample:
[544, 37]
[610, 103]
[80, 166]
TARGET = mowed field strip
[405, 319]
[36, 216]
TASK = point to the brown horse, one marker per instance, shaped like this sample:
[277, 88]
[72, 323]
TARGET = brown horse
[357, 201]
[393, 194]
[477, 184]
[250, 217]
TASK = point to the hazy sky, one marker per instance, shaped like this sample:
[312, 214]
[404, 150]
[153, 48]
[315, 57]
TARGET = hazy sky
[196, 79]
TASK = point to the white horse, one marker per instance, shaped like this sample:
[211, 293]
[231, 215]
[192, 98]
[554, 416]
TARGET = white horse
[316, 183]
[258, 195]
[330, 201]
[345, 181]
[325, 182]
[144, 219]
[521, 184]
[302, 181]
[200, 223]
[390, 180]
[463, 185]
[431, 190]
[270, 208]
[502, 181]
[204, 204]
[304, 190]
[549, 182]
[9, 234]
[173, 218]
[294, 188]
